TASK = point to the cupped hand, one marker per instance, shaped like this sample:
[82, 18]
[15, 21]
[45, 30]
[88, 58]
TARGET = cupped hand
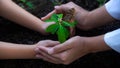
[66, 52]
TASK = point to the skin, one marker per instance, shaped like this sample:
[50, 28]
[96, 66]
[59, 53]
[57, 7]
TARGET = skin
[73, 49]
[78, 46]
[11, 11]
[21, 51]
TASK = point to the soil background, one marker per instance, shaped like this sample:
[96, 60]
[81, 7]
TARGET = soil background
[11, 32]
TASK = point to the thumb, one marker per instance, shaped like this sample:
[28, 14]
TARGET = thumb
[62, 8]
[48, 15]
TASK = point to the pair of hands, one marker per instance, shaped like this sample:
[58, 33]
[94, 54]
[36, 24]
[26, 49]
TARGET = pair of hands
[65, 53]
[79, 15]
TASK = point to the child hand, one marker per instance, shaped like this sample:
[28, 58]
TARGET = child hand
[41, 54]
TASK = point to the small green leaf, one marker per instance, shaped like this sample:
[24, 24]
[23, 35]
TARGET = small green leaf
[67, 24]
[52, 28]
[62, 36]
[54, 17]
[30, 5]
[67, 33]
[74, 23]
[23, 1]
[60, 16]
[49, 20]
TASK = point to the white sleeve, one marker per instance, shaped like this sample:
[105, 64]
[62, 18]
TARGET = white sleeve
[112, 39]
[113, 8]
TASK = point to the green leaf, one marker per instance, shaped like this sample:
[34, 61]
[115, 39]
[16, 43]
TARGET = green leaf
[49, 20]
[74, 23]
[52, 28]
[54, 17]
[23, 1]
[30, 5]
[60, 16]
[67, 33]
[67, 24]
[62, 36]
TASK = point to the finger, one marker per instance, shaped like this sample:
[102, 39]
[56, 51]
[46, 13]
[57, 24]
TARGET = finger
[46, 59]
[51, 43]
[58, 9]
[37, 50]
[72, 31]
[44, 52]
[61, 47]
[47, 43]
[61, 9]
[48, 15]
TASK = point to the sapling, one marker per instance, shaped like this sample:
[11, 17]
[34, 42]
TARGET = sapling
[64, 25]
[26, 3]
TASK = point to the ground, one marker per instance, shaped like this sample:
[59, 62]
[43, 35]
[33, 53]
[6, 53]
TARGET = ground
[10, 32]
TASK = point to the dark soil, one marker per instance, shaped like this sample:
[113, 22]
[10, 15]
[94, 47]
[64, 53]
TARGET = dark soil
[10, 32]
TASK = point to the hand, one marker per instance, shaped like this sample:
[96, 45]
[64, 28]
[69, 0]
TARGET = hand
[63, 9]
[40, 54]
[80, 14]
[67, 52]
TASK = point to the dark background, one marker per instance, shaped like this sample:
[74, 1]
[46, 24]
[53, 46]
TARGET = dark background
[10, 32]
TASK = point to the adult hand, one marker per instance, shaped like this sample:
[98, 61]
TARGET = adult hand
[79, 15]
[74, 48]
[62, 8]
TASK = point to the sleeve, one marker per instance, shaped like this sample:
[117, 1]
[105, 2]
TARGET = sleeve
[113, 8]
[112, 39]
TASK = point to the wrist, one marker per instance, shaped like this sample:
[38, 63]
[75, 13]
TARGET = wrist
[81, 16]
[87, 45]
[96, 44]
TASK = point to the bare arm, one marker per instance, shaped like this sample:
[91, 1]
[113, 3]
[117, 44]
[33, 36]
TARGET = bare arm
[96, 44]
[13, 12]
[22, 51]
[91, 19]
[73, 49]
[16, 51]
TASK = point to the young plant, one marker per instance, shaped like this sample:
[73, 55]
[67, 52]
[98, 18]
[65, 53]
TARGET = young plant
[26, 3]
[60, 27]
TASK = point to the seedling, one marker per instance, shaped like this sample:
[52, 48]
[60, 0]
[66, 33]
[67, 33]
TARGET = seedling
[61, 26]
[27, 3]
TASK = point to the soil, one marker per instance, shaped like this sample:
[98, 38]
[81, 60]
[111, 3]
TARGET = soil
[10, 32]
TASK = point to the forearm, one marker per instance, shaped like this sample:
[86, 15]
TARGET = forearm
[16, 51]
[13, 12]
[96, 44]
[95, 18]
